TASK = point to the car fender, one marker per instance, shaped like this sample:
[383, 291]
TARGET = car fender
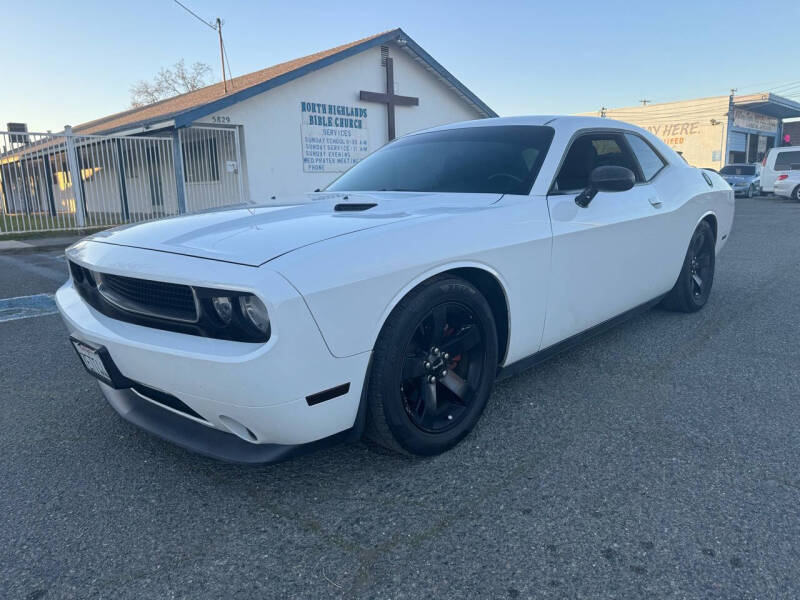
[351, 284]
[438, 270]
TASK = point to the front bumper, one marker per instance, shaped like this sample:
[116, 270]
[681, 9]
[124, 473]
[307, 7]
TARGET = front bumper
[203, 439]
[262, 387]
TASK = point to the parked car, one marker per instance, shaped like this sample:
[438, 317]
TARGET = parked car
[388, 303]
[778, 161]
[788, 184]
[743, 179]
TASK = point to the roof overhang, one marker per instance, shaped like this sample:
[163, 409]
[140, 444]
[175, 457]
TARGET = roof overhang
[185, 118]
[768, 104]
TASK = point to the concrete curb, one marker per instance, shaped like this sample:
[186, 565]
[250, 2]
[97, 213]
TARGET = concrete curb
[36, 244]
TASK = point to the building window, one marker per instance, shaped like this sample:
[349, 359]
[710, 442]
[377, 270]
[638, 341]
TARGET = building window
[200, 161]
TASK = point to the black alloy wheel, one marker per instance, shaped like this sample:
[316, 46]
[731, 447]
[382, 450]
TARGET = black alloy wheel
[443, 363]
[701, 267]
[693, 287]
[433, 368]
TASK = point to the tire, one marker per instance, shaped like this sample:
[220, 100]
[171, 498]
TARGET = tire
[750, 191]
[796, 194]
[693, 287]
[409, 412]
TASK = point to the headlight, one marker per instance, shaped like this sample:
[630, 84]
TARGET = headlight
[230, 315]
[254, 312]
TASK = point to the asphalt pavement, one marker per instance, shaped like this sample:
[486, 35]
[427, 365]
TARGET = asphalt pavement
[659, 460]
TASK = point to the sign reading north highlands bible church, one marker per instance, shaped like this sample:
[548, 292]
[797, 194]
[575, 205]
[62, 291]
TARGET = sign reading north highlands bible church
[334, 136]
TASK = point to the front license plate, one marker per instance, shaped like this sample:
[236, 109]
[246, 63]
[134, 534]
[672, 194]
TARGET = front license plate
[94, 359]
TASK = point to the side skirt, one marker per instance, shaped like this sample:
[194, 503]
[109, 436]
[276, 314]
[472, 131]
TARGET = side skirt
[539, 357]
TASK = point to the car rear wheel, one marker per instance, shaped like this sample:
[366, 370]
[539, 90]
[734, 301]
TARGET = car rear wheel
[693, 287]
[432, 369]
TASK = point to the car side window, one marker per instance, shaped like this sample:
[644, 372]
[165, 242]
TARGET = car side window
[650, 162]
[588, 152]
[787, 158]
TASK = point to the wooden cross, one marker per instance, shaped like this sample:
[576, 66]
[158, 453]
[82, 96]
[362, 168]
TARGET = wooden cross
[390, 99]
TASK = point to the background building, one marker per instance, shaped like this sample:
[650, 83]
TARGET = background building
[713, 132]
[286, 129]
[792, 129]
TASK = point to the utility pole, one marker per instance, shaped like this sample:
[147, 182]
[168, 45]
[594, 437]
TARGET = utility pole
[222, 54]
[728, 127]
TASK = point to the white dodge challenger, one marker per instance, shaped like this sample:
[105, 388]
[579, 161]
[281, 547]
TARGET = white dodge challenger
[387, 304]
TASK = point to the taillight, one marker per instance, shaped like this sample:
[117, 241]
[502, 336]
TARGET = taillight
[764, 161]
[782, 177]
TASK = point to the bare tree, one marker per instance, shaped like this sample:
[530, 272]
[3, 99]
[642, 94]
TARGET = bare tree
[170, 81]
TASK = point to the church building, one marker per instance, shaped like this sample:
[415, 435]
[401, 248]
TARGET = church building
[295, 126]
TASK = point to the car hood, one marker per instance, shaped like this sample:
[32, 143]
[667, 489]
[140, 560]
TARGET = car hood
[254, 234]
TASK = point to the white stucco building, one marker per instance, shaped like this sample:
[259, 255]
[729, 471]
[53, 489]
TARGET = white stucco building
[292, 127]
[287, 129]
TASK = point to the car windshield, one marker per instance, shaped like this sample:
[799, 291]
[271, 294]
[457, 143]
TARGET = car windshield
[492, 159]
[738, 170]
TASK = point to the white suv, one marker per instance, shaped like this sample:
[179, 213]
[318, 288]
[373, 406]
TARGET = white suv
[788, 185]
[778, 161]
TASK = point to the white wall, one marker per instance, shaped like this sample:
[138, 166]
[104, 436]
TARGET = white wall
[271, 120]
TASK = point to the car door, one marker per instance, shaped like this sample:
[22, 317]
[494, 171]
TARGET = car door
[605, 257]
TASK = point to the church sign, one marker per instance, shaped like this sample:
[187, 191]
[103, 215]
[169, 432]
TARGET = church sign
[334, 136]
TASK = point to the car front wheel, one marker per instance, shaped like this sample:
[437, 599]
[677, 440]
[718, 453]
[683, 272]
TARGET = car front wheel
[796, 194]
[432, 368]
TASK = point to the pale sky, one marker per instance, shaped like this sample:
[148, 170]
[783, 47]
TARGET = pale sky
[67, 63]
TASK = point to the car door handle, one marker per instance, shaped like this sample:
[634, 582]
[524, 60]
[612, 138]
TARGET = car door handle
[655, 202]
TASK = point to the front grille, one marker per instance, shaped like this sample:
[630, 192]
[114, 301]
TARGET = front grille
[152, 298]
[168, 306]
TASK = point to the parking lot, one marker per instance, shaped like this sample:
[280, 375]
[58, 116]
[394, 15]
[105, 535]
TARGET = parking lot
[657, 460]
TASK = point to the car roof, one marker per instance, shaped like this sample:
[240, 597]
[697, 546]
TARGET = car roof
[568, 124]
[562, 120]
[784, 149]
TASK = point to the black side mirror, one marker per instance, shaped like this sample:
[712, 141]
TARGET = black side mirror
[606, 179]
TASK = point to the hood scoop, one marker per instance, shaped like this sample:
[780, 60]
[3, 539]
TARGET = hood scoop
[354, 206]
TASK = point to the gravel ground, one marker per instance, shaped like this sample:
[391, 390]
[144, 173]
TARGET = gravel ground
[658, 460]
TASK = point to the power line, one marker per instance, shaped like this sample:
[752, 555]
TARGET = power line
[195, 15]
[645, 114]
[223, 53]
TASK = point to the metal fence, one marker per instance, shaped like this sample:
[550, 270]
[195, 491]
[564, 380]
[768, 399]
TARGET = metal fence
[59, 182]
[211, 167]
